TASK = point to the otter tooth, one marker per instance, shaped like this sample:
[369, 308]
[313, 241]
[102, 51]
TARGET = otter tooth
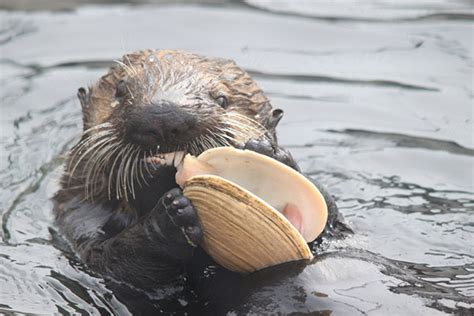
[156, 160]
[168, 158]
[178, 158]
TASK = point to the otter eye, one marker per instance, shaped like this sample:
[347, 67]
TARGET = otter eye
[222, 101]
[121, 90]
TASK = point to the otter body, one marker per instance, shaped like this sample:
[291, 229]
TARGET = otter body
[127, 218]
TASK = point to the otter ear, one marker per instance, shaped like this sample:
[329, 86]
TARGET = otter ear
[272, 122]
[274, 119]
[84, 97]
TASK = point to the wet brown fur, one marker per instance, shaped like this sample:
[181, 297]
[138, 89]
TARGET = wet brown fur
[223, 76]
[147, 73]
[131, 238]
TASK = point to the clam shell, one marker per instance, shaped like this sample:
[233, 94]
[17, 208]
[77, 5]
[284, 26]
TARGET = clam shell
[240, 196]
[242, 232]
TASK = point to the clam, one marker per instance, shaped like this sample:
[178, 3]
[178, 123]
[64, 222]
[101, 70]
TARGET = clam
[255, 212]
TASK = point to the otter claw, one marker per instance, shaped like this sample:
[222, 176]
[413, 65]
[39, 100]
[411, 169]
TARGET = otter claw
[265, 147]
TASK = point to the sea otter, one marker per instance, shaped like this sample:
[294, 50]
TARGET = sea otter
[125, 217]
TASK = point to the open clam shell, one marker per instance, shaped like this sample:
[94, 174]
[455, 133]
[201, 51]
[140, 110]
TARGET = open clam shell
[248, 205]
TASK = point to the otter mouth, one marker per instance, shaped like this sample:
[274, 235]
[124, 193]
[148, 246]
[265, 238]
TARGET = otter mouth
[171, 159]
[176, 160]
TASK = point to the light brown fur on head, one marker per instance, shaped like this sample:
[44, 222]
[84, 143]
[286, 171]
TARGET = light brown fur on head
[108, 159]
[216, 77]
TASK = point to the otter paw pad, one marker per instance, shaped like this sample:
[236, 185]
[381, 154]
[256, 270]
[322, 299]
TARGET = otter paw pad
[183, 215]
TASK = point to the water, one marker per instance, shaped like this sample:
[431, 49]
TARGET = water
[378, 106]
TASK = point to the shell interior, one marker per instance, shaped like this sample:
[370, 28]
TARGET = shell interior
[272, 181]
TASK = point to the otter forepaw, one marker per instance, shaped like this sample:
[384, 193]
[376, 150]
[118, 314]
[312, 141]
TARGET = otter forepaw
[183, 215]
[264, 147]
[178, 220]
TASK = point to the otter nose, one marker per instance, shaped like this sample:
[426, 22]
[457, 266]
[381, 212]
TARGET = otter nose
[159, 123]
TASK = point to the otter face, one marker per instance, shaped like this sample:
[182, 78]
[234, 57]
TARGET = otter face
[160, 102]
[174, 100]
[177, 103]
[155, 102]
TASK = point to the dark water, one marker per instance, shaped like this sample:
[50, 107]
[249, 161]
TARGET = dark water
[379, 107]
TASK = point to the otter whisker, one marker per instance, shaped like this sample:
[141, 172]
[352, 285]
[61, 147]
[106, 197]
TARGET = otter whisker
[123, 172]
[104, 158]
[133, 171]
[96, 127]
[128, 68]
[240, 129]
[224, 136]
[105, 153]
[191, 147]
[91, 165]
[243, 130]
[243, 123]
[131, 65]
[128, 174]
[221, 139]
[228, 134]
[98, 146]
[216, 141]
[121, 63]
[141, 163]
[88, 154]
[217, 138]
[204, 142]
[87, 139]
[85, 154]
[195, 147]
[84, 143]
[119, 182]
[150, 154]
[129, 170]
[198, 148]
[137, 165]
[212, 141]
[131, 95]
[109, 186]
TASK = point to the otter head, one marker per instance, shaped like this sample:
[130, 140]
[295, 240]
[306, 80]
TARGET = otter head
[155, 102]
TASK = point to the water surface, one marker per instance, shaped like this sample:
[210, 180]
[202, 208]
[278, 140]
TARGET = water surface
[378, 101]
